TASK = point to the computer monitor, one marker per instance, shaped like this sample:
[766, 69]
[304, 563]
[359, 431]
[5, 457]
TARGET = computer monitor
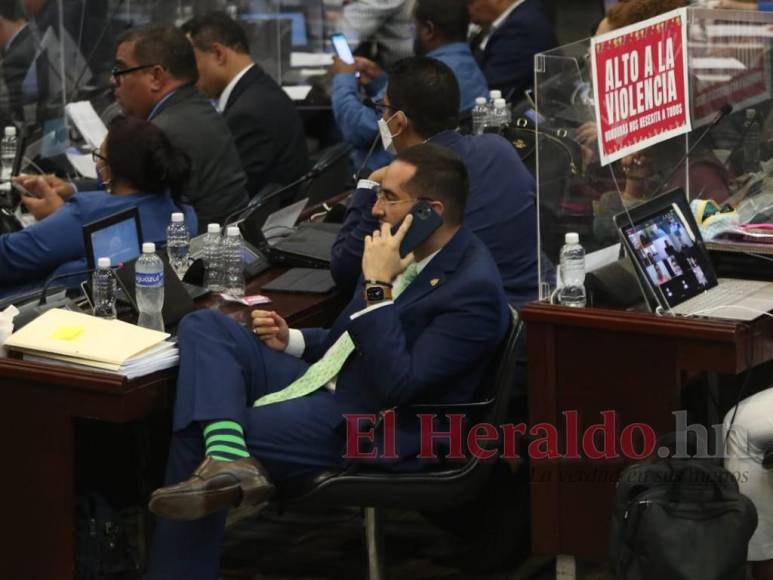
[118, 237]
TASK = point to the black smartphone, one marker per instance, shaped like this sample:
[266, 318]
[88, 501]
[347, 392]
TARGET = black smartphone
[425, 222]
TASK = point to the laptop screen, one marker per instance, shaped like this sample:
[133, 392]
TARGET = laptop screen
[665, 244]
[117, 237]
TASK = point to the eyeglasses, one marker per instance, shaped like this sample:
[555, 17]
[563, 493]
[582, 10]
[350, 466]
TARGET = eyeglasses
[96, 155]
[117, 73]
[380, 198]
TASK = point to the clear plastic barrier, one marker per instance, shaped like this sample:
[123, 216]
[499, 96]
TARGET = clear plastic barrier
[728, 167]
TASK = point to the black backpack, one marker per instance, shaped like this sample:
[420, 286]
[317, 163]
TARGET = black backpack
[680, 519]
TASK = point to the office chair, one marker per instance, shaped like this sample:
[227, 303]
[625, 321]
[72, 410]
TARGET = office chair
[443, 488]
[333, 175]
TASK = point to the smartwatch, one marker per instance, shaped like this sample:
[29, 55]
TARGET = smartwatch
[377, 293]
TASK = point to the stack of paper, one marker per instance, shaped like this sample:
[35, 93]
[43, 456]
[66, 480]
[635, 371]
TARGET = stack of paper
[79, 340]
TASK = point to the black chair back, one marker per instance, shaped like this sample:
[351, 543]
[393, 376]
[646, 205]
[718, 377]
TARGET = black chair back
[436, 489]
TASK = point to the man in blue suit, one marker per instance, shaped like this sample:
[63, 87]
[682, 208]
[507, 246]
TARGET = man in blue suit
[419, 328]
[513, 31]
[441, 29]
[501, 209]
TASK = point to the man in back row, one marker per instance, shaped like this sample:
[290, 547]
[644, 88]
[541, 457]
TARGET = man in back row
[501, 209]
[263, 120]
[154, 78]
[441, 29]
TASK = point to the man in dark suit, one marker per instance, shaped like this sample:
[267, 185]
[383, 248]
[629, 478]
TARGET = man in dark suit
[513, 31]
[423, 328]
[266, 127]
[18, 52]
[154, 78]
[502, 207]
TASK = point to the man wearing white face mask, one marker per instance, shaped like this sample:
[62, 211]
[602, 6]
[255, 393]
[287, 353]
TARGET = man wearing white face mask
[441, 28]
[421, 105]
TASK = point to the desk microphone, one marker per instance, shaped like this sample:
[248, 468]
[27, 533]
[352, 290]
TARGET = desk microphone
[260, 201]
[723, 112]
[86, 272]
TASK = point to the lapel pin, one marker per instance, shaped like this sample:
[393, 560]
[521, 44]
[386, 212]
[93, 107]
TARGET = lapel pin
[434, 282]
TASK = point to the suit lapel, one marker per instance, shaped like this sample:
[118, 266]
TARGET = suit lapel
[436, 272]
[249, 78]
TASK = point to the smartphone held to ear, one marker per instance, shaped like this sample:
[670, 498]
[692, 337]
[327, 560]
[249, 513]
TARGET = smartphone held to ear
[425, 222]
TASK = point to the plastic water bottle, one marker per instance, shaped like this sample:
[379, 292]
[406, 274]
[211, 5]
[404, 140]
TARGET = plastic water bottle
[233, 258]
[751, 143]
[149, 288]
[178, 244]
[479, 115]
[7, 153]
[501, 116]
[103, 289]
[493, 96]
[213, 259]
[572, 291]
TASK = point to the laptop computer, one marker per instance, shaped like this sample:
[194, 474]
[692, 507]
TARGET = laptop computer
[674, 269]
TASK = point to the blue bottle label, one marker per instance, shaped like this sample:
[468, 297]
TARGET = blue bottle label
[150, 280]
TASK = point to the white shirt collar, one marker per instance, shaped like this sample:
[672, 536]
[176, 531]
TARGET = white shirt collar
[499, 21]
[423, 263]
[226, 94]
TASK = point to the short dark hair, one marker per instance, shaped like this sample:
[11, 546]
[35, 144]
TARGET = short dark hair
[11, 10]
[440, 175]
[450, 17]
[427, 91]
[218, 27]
[163, 45]
[139, 153]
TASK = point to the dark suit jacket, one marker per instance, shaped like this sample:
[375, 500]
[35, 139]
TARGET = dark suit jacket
[17, 60]
[267, 130]
[508, 59]
[217, 183]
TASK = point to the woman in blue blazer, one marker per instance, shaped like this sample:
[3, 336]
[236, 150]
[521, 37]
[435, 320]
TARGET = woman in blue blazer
[139, 168]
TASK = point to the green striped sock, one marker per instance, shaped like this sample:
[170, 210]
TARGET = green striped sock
[224, 441]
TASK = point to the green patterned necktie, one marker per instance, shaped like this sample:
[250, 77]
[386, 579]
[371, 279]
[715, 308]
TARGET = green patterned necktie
[327, 368]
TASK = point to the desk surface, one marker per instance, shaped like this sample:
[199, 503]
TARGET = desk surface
[591, 360]
[42, 401]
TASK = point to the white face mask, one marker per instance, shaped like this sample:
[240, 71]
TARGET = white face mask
[387, 140]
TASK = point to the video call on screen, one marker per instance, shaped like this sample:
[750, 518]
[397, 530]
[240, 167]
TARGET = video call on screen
[670, 259]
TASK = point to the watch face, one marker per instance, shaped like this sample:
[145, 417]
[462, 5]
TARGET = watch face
[375, 293]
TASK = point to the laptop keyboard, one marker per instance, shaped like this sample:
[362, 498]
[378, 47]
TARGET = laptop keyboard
[726, 294]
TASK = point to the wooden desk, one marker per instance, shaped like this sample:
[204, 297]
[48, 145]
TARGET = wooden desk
[591, 360]
[41, 403]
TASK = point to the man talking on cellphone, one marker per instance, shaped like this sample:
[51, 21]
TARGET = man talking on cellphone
[264, 405]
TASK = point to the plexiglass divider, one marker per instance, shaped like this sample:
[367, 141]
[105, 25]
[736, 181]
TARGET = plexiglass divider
[728, 170]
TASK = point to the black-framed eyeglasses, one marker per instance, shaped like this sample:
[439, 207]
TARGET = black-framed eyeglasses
[96, 155]
[117, 73]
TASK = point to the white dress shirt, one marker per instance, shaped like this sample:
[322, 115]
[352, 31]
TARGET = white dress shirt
[226, 94]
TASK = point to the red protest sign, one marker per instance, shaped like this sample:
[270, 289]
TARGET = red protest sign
[640, 83]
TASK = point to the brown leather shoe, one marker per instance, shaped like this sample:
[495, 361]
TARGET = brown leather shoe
[214, 485]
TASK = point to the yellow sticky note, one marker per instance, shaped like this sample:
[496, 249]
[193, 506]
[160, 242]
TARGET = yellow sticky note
[67, 332]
